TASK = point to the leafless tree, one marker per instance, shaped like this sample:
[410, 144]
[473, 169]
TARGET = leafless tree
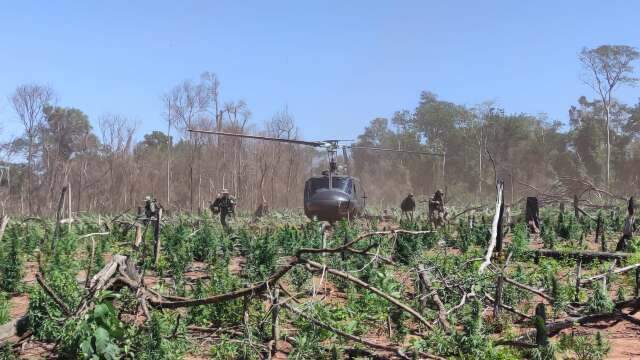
[607, 67]
[28, 102]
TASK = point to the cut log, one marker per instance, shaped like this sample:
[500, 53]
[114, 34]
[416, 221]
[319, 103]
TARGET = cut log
[585, 255]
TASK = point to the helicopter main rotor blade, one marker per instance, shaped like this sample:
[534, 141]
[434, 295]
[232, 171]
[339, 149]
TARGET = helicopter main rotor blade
[394, 150]
[290, 141]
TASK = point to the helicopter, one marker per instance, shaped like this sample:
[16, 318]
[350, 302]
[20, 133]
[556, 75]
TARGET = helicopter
[330, 196]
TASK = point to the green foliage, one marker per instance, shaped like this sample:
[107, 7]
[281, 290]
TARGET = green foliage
[44, 314]
[225, 349]
[99, 334]
[211, 245]
[11, 264]
[4, 308]
[262, 256]
[600, 301]
[221, 313]
[585, 347]
[519, 241]
[548, 236]
[156, 341]
[177, 252]
[6, 352]
[472, 236]
[562, 294]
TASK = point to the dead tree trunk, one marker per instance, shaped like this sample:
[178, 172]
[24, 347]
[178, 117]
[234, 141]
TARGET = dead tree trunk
[156, 236]
[275, 314]
[500, 233]
[494, 228]
[533, 215]
[59, 216]
[498, 301]
[637, 289]
[578, 274]
[542, 335]
[4, 220]
[576, 208]
[629, 226]
[598, 227]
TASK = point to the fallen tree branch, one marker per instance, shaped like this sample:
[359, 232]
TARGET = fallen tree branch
[349, 244]
[528, 288]
[362, 341]
[374, 290]
[508, 308]
[61, 304]
[585, 255]
[466, 211]
[255, 289]
[555, 327]
[589, 280]
[442, 311]
[92, 234]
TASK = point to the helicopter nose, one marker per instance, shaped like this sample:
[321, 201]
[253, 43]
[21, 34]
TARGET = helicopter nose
[329, 204]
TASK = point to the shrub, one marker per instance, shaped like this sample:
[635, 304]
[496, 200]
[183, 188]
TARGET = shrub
[600, 302]
[11, 265]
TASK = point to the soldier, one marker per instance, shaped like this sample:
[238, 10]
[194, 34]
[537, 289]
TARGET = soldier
[225, 205]
[437, 212]
[150, 208]
[408, 205]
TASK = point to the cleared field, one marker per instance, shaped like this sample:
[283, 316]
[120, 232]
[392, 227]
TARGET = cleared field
[284, 288]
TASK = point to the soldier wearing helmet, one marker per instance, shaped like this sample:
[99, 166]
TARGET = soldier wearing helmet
[224, 205]
[437, 212]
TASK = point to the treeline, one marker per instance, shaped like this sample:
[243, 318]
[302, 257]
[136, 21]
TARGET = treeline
[106, 170]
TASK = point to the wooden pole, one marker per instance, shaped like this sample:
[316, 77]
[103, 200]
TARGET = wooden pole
[578, 274]
[69, 208]
[91, 260]
[637, 282]
[497, 304]
[138, 239]
[156, 236]
[59, 216]
[275, 314]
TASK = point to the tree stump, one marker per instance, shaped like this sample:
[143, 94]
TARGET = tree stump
[532, 212]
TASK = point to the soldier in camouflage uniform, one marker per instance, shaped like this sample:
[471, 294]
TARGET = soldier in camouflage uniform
[437, 212]
[150, 208]
[224, 205]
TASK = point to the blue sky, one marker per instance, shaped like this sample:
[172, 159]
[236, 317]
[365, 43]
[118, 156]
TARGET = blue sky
[335, 64]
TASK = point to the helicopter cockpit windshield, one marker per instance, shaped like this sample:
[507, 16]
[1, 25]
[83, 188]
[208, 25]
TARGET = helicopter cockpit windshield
[338, 183]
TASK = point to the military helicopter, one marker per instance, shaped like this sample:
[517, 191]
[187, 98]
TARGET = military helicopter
[329, 196]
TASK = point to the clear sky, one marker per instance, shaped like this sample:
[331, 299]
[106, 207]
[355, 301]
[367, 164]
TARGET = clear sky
[335, 64]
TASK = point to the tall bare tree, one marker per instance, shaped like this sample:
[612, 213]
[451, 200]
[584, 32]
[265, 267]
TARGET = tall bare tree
[188, 103]
[607, 67]
[29, 102]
